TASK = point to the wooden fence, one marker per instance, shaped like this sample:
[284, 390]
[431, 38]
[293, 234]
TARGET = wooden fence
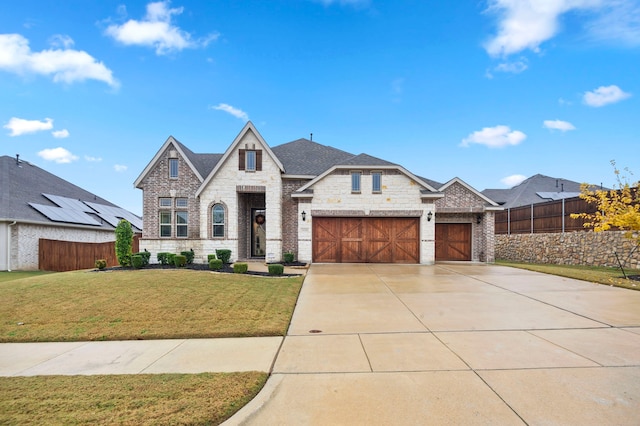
[55, 255]
[552, 216]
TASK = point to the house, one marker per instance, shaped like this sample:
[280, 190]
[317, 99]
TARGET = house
[35, 204]
[534, 190]
[321, 203]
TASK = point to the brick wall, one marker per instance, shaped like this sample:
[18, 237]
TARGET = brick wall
[290, 215]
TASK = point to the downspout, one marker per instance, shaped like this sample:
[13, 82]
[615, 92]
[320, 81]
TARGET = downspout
[9, 245]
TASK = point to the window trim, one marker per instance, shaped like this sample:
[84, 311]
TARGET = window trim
[250, 155]
[162, 224]
[180, 226]
[180, 205]
[375, 190]
[172, 162]
[164, 206]
[215, 225]
[356, 185]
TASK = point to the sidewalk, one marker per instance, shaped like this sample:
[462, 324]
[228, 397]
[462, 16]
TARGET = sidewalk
[139, 356]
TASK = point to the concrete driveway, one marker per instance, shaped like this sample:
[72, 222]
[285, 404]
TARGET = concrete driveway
[453, 344]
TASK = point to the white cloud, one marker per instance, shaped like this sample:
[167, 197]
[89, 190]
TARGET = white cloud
[604, 95]
[58, 155]
[619, 22]
[120, 168]
[238, 113]
[92, 159]
[525, 24]
[558, 125]
[60, 134]
[64, 65]
[20, 126]
[512, 67]
[495, 137]
[156, 30]
[513, 180]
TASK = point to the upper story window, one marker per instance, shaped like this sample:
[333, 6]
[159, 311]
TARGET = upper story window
[376, 181]
[181, 202]
[165, 224]
[173, 168]
[250, 160]
[165, 202]
[217, 213]
[355, 181]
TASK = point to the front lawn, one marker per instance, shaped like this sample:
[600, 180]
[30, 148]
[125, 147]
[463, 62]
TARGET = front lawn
[144, 304]
[595, 274]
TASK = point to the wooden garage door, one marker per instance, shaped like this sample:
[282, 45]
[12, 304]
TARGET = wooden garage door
[373, 240]
[453, 241]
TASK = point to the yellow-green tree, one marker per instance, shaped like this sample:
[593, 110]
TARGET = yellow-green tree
[618, 208]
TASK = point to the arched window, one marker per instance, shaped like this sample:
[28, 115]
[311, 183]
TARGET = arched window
[218, 220]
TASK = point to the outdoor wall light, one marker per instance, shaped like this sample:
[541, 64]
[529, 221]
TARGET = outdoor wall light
[479, 219]
[304, 215]
[429, 216]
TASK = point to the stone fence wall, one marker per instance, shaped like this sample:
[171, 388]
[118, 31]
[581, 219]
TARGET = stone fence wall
[569, 248]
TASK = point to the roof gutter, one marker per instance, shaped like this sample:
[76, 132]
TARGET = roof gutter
[9, 245]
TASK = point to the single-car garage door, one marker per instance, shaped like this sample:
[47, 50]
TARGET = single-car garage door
[373, 240]
[453, 241]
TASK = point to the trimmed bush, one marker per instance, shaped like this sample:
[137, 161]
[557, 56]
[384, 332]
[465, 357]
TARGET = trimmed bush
[210, 257]
[179, 260]
[215, 264]
[101, 263]
[224, 255]
[137, 261]
[170, 257]
[276, 269]
[189, 255]
[289, 257]
[240, 268]
[145, 255]
[163, 258]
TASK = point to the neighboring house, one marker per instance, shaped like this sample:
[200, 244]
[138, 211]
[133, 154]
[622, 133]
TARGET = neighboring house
[36, 204]
[322, 203]
[534, 190]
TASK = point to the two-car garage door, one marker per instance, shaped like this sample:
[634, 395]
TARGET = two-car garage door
[374, 240]
[384, 240]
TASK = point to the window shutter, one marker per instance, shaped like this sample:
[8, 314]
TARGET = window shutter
[259, 160]
[241, 159]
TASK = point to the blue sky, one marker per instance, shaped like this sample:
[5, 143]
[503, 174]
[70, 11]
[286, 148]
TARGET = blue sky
[487, 91]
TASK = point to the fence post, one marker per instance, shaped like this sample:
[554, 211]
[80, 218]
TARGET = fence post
[532, 218]
[509, 221]
[563, 215]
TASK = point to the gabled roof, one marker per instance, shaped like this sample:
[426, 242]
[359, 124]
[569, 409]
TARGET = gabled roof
[471, 189]
[365, 160]
[197, 163]
[31, 194]
[303, 157]
[249, 127]
[536, 189]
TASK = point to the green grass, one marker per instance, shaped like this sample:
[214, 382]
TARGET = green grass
[16, 275]
[595, 274]
[194, 399]
[144, 304]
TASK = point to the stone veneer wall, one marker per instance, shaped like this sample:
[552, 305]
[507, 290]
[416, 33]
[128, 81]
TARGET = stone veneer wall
[569, 248]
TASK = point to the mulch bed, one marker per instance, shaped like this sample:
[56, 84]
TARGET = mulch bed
[204, 267]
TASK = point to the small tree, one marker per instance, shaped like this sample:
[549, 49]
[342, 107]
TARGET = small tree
[124, 242]
[617, 208]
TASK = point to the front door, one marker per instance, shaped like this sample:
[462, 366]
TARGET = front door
[258, 233]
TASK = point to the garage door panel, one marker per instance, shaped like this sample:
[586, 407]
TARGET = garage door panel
[376, 240]
[453, 241]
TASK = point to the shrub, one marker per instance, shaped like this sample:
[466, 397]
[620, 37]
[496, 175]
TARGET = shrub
[101, 263]
[189, 255]
[137, 261]
[179, 260]
[224, 255]
[170, 257]
[163, 258]
[211, 257]
[145, 255]
[124, 241]
[215, 264]
[289, 257]
[240, 268]
[276, 269]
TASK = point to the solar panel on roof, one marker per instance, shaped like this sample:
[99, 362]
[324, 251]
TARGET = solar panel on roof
[69, 203]
[112, 215]
[58, 214]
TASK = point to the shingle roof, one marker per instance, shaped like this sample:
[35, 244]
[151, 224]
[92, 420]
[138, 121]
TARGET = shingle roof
[365, 160]
[536, 189]
[308, 158]
[204, 163]
[24, 183]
